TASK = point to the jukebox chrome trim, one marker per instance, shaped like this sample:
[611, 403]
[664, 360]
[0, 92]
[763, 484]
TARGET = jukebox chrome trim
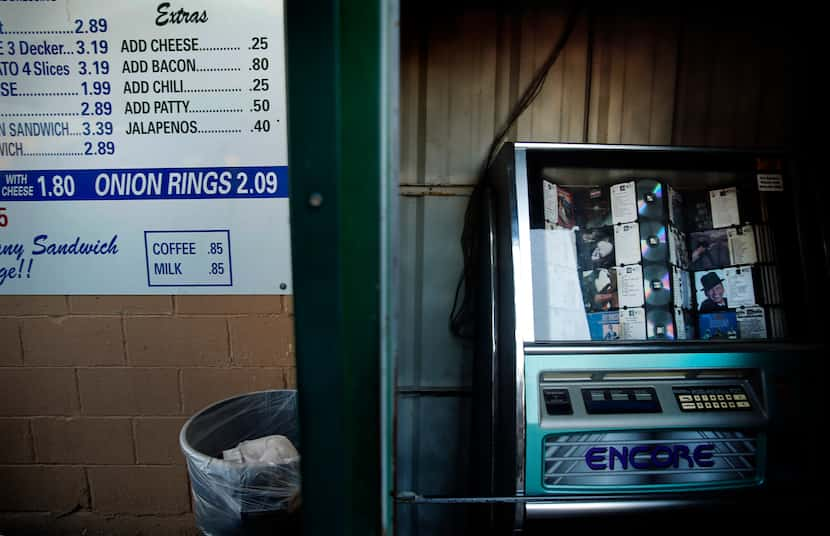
[571, 509]
[523, 285]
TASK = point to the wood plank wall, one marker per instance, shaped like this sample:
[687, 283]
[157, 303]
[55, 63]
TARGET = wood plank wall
[623, 78]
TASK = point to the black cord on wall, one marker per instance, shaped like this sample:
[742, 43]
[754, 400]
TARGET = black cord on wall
[462, 315]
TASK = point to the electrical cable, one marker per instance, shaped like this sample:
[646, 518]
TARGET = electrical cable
[462, 314]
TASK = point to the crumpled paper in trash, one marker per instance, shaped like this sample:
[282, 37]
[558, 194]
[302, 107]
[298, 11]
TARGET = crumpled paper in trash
[273, 449]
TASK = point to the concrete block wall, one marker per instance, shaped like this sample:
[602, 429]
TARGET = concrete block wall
[94, 391]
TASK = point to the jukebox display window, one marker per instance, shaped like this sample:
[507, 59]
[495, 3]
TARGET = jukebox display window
[632, 245]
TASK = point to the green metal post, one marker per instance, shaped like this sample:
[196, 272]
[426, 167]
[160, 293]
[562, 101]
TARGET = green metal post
[337, 166]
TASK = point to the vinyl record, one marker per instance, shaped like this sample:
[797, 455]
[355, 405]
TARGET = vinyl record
[659, 324]
[657, 285]
[650, 202]
[653, 242]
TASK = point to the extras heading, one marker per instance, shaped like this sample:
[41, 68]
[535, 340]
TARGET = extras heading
[168, 15]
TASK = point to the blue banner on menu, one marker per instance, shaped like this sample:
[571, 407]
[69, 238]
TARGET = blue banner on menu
[142, 184]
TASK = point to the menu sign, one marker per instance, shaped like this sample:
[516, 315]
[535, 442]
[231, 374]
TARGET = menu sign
[143, 147]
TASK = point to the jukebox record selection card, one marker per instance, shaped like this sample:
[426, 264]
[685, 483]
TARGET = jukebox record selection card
[627, 240]
[567, 217]
[558, 206]
[606, 289]
[676, 208]
[630, 285]
[709, 250]
[722, 325]
[752, 322]
[551, 204]
[604, 326]
[717, 248]
[681, 288]
[711, 288]
[594, 208]
[633, 324]
[624, 202]
[698, 215]
[726, 288]
[599, 289]
[680, 324]
[683, 324]
[741, 242]
[678, 252]
[740, 286]
[724, 205]
[713, 209]
[596, 248]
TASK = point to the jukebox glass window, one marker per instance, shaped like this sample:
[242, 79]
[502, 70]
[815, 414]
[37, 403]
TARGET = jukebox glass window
[637, 245]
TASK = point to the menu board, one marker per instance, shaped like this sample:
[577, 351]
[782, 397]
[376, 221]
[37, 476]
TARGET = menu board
[143, 148]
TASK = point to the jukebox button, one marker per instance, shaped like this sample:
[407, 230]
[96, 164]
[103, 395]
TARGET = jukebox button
[716, 405]
[685, 398]
[740, 397]
[557, 402]
[687, 405]
[728, 397]
[697, 398]
[743, 404]
[707, 405]
[731, 404]
[558, 395]
[705, 398]
[699, 405]
[720, 397]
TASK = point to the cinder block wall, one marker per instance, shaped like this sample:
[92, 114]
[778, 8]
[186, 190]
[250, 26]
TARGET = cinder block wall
[94, 391]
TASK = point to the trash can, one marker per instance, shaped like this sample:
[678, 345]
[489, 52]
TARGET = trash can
[243, 498]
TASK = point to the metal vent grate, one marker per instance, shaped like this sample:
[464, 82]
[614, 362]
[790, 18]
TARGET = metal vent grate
[688, 458]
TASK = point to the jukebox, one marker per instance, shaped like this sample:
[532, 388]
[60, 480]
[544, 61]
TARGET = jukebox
[645, 342]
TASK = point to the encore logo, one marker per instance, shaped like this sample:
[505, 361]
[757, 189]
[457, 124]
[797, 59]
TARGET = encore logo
[649, 457]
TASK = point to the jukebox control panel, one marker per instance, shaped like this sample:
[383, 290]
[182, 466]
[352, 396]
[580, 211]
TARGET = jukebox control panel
[596, 399]
[727, 398]
[557, 401]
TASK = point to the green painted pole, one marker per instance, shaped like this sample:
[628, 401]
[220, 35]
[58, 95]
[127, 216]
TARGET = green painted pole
[334, 69]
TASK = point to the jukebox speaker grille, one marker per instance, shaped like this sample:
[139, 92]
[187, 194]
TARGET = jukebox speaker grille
[687, 458]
